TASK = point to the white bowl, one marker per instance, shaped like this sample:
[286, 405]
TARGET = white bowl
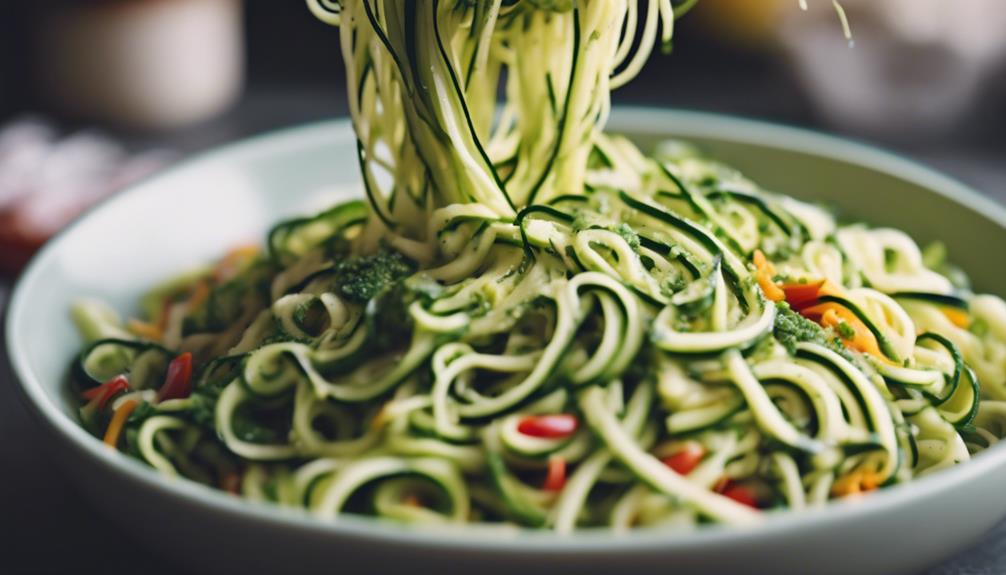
[193, 212]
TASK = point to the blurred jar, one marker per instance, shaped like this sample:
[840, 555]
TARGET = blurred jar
[917, 67]
[142, 64]
[752, 24]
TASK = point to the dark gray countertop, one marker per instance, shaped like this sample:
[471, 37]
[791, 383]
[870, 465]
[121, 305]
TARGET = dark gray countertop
[47, 526]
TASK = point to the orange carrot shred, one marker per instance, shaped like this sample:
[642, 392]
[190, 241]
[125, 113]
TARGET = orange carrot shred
[118, 422]
[165, 315]
[231, 263]
[805, 299]
[855, 483]
[831, 315]
[145, 330]
[958, 317]
[200, 292]
[764, 273]
[231, 483]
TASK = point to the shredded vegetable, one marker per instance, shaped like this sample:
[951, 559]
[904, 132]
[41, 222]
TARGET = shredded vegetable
[529, 320]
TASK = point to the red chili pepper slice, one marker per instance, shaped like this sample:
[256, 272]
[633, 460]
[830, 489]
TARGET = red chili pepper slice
[551, 426]
[178, 382]
[556, 478]
[738, 493]
[107, 390]
[685, 460]
[800, 296]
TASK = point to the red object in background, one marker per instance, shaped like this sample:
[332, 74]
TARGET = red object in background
[46, 181]
[16, 248]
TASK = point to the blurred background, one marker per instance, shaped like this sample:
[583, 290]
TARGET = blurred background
[97, 93]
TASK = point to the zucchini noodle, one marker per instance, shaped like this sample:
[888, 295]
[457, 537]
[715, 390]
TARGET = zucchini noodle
[529, 320]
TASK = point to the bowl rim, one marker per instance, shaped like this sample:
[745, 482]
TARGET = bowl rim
[474, 537]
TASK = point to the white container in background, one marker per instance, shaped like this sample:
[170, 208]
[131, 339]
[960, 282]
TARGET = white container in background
[917, 67]
[147, 64]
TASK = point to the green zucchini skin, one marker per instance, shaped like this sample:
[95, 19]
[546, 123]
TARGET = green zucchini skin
[947, 300]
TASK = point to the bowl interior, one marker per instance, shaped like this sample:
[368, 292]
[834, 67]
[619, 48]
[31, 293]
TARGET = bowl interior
[198, 210]
[864, 183]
